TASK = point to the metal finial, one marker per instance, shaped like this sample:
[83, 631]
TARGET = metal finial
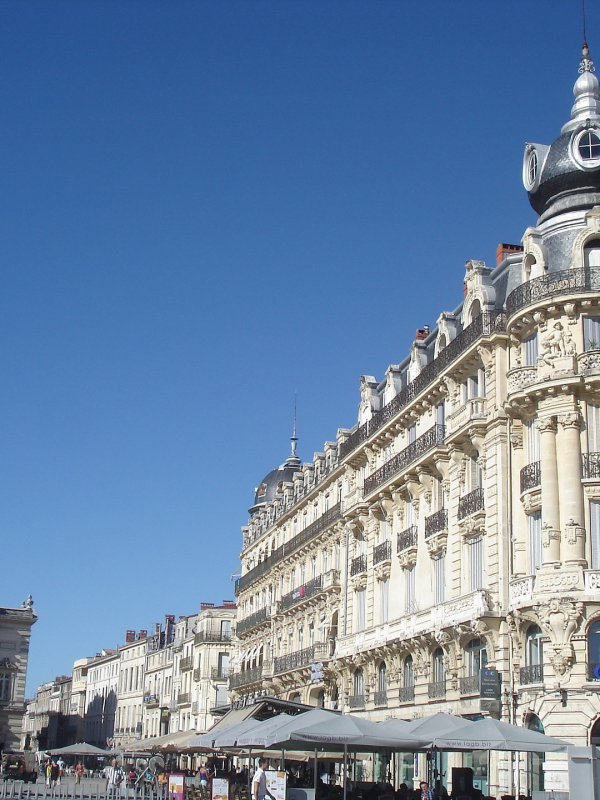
[586, 65]
[294, 438]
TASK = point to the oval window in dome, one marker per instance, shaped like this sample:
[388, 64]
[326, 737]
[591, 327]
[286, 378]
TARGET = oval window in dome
[589, 146]
[532, 166]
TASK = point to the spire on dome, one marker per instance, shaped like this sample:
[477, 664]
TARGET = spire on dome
[292, 459]
[587, 94]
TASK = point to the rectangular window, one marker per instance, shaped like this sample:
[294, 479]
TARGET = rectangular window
[325, 561]
[439, 578]
[409, 589]
[595, 533]
[412, 433]
[4, 685]
[360, 610]
[535, 542]
[531, 350]
[384, 599]
[532, 441]
[440, 414]
[593, 428]
[476, 474]
[384, 533]
[476, 563]
[591, 333]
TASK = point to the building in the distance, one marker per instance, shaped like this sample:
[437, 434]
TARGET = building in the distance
[456, 527]
[15, 634]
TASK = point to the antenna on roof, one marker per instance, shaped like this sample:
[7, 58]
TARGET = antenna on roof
[294, 438]
[587, 64]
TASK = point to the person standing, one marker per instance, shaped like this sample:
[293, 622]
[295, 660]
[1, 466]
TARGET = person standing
[114, 777]
[426, 792]
[259, 782]
[79, 770]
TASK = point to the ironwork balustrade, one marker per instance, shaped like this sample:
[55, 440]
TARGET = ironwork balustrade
[358, 565]
[591, 465]
[380, 698]
[531, 476]
[303, 592]
[470, 503]
[301, 658]
[485, 324]
[534, 673]
[314, 529]
[382, 552]
[356, 701]
[253, 620]
[186, 663]
[436, 690]
[436, 522]
[469, 685]
[213, 636]
[245, 677]
[406, 694]
[219, 673]
[552, 284]
[407, 538]
[423, 444]
[183, 699]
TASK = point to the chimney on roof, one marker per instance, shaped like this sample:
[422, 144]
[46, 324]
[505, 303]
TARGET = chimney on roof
[422, 333]
[142, 634]
[170, 618]
[229, 603]
[504, 250]
[129, 636]
[157, 627]
[207, 605]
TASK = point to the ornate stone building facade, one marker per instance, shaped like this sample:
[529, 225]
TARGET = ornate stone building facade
[457, 526]
[15, 634]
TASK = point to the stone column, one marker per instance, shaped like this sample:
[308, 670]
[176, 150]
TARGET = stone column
[550, 503]
[571, 492]
[519, 518]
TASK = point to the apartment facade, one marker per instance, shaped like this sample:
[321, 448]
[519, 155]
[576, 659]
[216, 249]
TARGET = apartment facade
[15, 635]
[455, 530]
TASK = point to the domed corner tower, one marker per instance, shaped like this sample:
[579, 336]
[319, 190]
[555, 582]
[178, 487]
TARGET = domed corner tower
[563, 181]
[272, 484]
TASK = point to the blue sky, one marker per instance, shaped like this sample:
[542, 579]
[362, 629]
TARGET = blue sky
[206, 206]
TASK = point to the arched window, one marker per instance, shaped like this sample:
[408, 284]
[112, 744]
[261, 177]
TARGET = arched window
[359, 683]
[535, 761]
[408, 672]
[476, 657]
[533, 672]
[475, 310]
[439, 670]
[381, 677]
[321, 699]
[591, 253]
[595, 733]
[593, 644]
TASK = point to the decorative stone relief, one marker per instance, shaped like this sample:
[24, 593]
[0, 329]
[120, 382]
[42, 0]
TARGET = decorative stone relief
[560, 618]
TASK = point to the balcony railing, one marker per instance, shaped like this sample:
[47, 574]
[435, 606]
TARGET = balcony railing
[423, 444]
[186, 663]
[183, 699]
[314, 529]
[301, 658]
[407, 694]
[436, 522]
[213, 636]
[382, 552]
[380, 698]
[551, 285]
[301, 593]
[245, 677]
[531, 476]
[150, 700]
[253, 620]
[469, 685]
[470, 503]
[407, 538]
[356, 701]
[532, 674]
[591, 465]
[358, 565]
[219, 673]
[436, 690]
[485, 324]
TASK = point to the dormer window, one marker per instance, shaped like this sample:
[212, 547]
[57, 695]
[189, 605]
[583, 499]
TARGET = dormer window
[532, 166]
[589, 146]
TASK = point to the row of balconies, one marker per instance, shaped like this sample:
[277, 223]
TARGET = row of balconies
[213, 636]
[531, 474]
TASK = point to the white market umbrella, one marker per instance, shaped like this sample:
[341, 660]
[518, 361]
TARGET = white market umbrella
[491, 734]
[431, 725]
[284, 735]
[356, 732]
[256, 736]
[81, 749]
[229, 736]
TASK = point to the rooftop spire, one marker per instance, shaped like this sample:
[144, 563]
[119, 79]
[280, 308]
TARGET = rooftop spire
[293, 437]
[587, 94]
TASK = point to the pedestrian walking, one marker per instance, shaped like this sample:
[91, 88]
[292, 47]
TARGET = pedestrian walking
[114, 778]
[79, 771]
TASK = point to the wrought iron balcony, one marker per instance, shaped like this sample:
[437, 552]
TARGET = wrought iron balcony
[291, 661]
[436, 690]
[253, 620]
[245, 677]
[485, 324]
[186, 663]
[551, 285]
[531, 476]
[213, 636]
[407, 538]
[437, 522]
[470, 503]
[356, 701]
[380, 698]
[301, 593]
[183, 699]
[150, 700]
[219, 673]
[423, 444]
[591, 465]
[531, 674]
[358, 565]
[407, 694]
[469, 685]
[382, 552]
[314, 529]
